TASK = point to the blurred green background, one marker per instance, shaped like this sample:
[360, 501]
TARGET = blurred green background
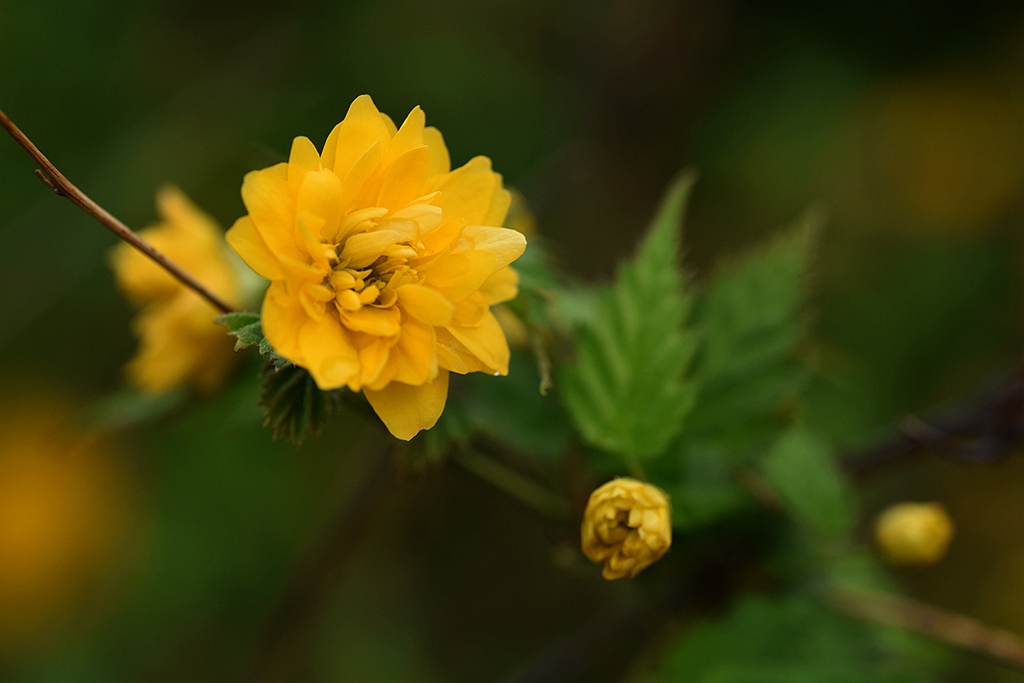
[902, 118]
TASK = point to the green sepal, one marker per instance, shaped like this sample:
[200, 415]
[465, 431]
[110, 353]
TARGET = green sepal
[627, 392]
[248, 331]
[294, 406]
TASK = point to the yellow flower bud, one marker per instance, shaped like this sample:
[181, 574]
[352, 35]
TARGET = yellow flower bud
[627, 526]
[914, 533]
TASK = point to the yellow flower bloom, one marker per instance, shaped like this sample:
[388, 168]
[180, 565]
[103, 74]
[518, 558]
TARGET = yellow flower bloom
[64, 516]
[383, 263]
[627, 526]
[914, 533]
[179, 342]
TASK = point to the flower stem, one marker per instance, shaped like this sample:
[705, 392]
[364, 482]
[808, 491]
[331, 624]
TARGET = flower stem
[63, 187]
[514, 484]
[636, 469]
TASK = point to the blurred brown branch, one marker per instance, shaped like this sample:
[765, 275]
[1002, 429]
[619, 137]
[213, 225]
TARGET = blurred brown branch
[984, 428]
[951, 628]
[63, 187]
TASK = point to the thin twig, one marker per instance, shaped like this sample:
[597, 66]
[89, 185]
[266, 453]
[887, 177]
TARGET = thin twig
[63, 187]
[985, 428]
[948, 627]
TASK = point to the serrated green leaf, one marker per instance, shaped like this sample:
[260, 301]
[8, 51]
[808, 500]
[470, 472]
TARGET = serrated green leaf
[237, 320]
[801, 469]
[627, 392]
[793, 639]
[752, 321]
[294, 406]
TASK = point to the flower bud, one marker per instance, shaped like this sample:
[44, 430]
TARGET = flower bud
[627, 526]
[914, 533]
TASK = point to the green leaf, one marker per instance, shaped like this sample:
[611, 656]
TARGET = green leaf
[751, 319]
[294, 406]
[245, 327]
[787, 640]
[627, 392]
[802, 471]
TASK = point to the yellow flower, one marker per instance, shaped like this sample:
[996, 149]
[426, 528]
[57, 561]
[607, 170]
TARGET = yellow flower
[179, 342]
[64, 516]
[914, 533]
[383, 263]
[627, 526]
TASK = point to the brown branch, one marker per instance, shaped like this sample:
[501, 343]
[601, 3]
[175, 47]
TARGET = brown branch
[948, 627]
[985, 428]
[63, 187]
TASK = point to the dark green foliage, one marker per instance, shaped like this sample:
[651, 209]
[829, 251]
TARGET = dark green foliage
[785, 640]
[801, 469]
[627, 392]
[751, 316]
[295, 407]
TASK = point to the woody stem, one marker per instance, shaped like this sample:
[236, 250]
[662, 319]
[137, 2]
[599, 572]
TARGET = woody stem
[65, 188]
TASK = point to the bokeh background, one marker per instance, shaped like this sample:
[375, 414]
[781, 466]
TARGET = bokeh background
[157, 551]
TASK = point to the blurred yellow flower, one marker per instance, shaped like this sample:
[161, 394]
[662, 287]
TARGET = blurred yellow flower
[627, 526]
[914, 533]
[179, 342]
[63, 514]
[383, 263]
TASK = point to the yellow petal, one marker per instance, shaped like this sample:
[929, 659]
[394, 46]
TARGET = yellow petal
[440, 161]
[366, 247]
[497, 212]
[469, 192]
[329, 357]
[506, 245]
[406, 410]
[410, 135]
[282, 316]
[320, 195]
[470, 311]
[487, 342]
[303, 158]
[361, 127]
[361, 175]
[382, 322]
[415, 355]
[426, 304]
[270, 204]
[500, 287]
[452, 355]
[405, 178]
[459, 275]
[248, 244]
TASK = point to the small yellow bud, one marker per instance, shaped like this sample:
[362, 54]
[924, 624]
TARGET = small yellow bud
[627, 526]
[914, 533]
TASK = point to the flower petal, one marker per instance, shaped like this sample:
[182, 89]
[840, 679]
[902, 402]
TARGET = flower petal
[500, 287]
[440, 161]
[470, 192]
[486, 341]
[404, 179]
[406, 410]
[382, 322]
[329, 357]
[247, 243]
[425, 304]
[362, 127]
[506, 245]
[410, 135]
[459, 275]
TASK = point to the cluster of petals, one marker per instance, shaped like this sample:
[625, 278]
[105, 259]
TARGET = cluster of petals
[627, 526]
[179, 344]
[383, 263]
[914, 533]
